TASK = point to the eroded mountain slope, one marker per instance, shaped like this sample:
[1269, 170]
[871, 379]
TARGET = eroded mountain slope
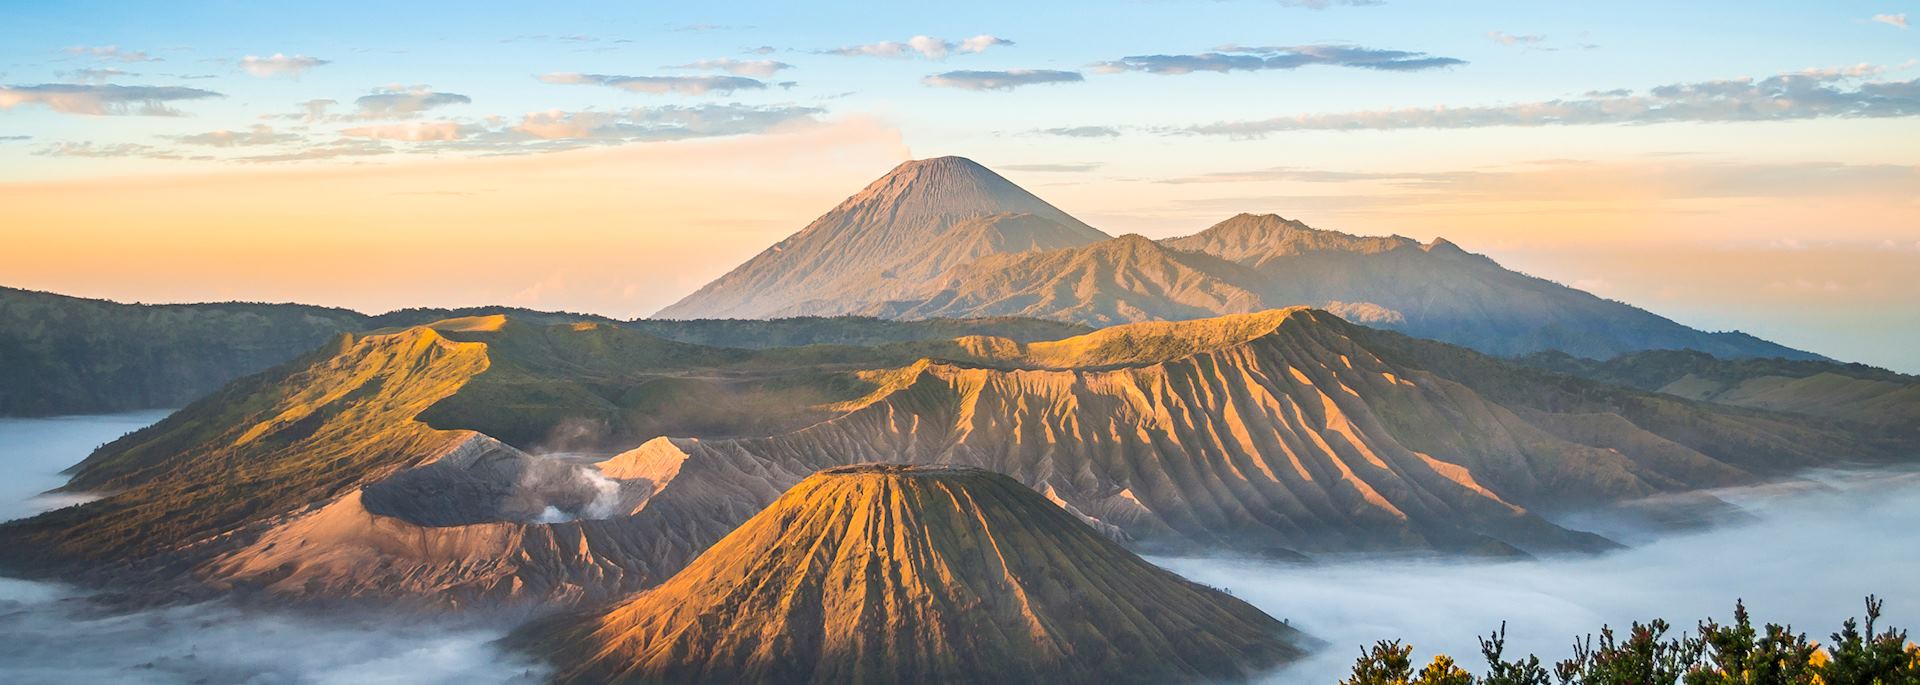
[884, 574]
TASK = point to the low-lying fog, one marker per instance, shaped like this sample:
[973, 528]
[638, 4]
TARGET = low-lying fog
[1807, 557]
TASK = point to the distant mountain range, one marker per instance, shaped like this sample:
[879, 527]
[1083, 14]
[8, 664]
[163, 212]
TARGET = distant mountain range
[947, 237]
[467, 461]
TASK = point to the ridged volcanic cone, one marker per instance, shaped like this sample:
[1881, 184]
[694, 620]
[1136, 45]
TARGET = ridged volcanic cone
[916, 574]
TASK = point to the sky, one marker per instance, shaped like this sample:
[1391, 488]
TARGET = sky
[1731, 165]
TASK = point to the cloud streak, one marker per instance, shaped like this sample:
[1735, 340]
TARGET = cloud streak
[1000, 80]
[1895, 20]
[1080, 131]
[260, 134]
[111, 53]
[412, 132]
[738, 67]
[1516, 40]
[101, 99]
[1813, 94]
[924, 46]
[401, 102]
[1228, 58]
[279, 65]
[658, 85]
[654, 123]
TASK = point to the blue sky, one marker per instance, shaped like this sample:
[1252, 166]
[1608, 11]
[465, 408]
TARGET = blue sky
[1616, 146]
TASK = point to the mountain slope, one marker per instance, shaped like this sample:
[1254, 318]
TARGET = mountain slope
[1249, 262]
[1277, 432]
[1125, 279]
[919, 219]
[883, 574]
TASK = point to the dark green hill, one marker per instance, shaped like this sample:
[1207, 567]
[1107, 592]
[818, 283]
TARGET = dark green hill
[70, 355]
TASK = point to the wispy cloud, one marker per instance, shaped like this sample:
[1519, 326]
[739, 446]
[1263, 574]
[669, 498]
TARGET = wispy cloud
[413, 132]
[1080, 131]
[658, 123]
[101, 75]
[659, 85]
[344, 147]
[1259, 58]
[1844, 93]
[1052, 168]
[1000, 80]
[87, 148]
[924, 46]
[1523, 40]
[403, 102]
[279, 65]
[260, 134]
[1549, 180]
[738, 67]
[111, 53]
[1899, 20]
[76, 98]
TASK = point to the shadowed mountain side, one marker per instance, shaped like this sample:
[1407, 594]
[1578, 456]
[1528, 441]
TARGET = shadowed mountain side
[884, 574]
[910, 225]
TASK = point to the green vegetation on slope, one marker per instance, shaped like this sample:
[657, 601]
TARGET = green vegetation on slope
[69, 355]
[269, 444]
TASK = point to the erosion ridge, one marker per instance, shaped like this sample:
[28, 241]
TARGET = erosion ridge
[890, 573]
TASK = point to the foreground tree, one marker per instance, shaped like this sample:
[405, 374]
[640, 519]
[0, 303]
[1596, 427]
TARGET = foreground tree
[1734, 654]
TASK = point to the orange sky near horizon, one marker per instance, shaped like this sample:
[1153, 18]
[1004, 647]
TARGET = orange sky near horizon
[623, 231]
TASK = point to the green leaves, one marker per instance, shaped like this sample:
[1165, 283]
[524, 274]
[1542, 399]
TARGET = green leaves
[1735, 654]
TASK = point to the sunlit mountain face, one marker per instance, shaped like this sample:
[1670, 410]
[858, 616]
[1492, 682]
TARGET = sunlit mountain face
[1279, 342]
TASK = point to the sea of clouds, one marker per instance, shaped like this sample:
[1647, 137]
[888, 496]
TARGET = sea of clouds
[1808, 555]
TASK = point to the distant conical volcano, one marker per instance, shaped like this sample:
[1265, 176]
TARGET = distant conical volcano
[929, 574]
[912, 224]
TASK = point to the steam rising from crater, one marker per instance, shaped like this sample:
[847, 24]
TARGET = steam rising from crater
[605, 502]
